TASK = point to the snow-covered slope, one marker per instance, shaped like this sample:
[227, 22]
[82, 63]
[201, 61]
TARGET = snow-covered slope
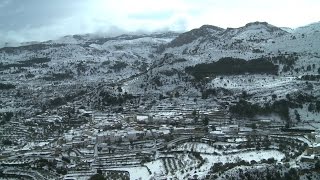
[309, 29]
[89, 55]
[154, 64]
[257, 31]
[254, 40]
[127, 55]
[210, 41]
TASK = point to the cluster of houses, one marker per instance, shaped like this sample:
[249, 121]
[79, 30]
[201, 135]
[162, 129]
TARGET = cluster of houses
[98, 140]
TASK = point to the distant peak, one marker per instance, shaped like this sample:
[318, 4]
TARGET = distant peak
[310, 28]
[206, 26]
[257, 23]
[263, 25]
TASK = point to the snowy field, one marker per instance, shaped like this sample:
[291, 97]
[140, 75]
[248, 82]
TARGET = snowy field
[181, 166]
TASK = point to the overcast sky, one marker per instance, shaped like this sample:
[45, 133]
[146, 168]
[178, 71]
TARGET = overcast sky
[28, 20]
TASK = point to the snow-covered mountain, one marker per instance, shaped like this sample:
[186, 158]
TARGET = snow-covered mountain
[294, 53]
[89, 56]
[92, 57]
[208, 37]
[251, 41]
[164, 65]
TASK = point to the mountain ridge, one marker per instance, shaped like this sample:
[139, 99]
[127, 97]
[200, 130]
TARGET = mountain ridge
[314, 26]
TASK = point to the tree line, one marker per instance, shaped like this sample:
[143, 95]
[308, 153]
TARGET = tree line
[232, 66]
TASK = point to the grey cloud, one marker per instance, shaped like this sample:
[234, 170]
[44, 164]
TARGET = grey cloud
[18, 14]
[40, 20]
[5, 3]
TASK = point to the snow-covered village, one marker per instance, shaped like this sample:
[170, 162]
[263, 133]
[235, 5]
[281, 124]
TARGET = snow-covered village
[206, 103]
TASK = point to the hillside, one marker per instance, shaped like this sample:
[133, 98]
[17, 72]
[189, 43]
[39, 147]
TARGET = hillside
[201, 52]
[210, 103]
[158, 63]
